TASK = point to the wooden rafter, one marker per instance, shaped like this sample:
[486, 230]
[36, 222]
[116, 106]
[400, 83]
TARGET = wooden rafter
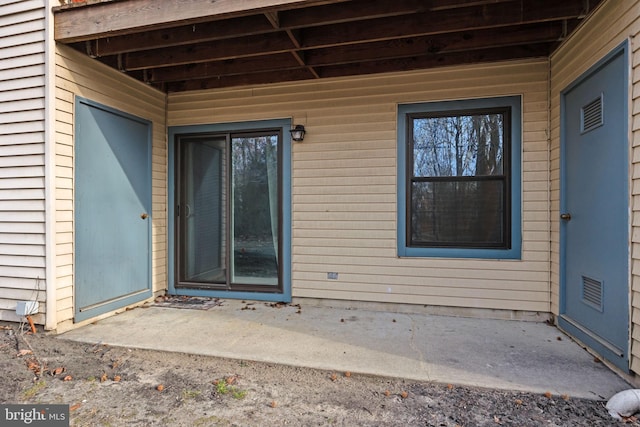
[176, 45]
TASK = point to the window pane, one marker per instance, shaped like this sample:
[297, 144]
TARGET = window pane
[202, 216]
[455, 213]
[255, 210]
[464, 145]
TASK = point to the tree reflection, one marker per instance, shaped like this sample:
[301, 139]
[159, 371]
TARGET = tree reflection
[458, 184]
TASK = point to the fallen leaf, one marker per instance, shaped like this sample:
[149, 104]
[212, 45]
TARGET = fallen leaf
[347, 374]
[496, 419]
[597, 360]
[117, 378]
[57, 371]
[387, 393]
[103, 378]
[518, 402]
[548, 394]
[67, 378]
[33, 365]
[230, 380]
[160, 387]
[450, 386]
[24, 352]
[565, 397]
[274, 404]
[404, 395]
[333, 377]
[75, 407]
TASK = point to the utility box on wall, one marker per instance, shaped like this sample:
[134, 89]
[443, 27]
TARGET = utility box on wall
[26, 308]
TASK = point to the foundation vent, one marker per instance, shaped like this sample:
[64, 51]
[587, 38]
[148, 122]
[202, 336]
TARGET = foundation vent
[591, 115]
[592, 292]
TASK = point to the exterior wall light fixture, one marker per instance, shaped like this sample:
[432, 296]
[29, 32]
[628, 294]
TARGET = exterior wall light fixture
[297, 133]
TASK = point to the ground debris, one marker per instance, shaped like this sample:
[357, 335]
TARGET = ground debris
[159, 388]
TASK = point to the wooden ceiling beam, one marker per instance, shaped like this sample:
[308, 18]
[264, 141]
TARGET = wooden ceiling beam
[428, 46]
[273, 18]
[431, 61]
[282, 61]
[335, 35]
[455, 4]
[414, 47]
[182, 35]
[439, 43]
[251, 25]
[206, 52]
[253, 42]
[240, 80]
[490, 16]
[73, 24]
[374, 67]
[356, 10]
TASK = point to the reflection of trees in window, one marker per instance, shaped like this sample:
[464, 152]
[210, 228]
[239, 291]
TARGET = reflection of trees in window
[252, 161]
[255, 207]
[459, 186]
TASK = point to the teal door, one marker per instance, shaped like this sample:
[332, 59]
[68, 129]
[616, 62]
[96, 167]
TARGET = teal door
[112, 209]
[594, 211]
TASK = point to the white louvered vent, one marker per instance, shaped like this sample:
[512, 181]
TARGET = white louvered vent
[591, 115]
[592, 292]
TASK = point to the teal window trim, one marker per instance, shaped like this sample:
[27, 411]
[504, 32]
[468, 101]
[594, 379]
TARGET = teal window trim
[284, 125]
[515, 250]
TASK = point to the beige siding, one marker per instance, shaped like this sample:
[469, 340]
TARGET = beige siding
[344, 184]
[614, 22]
[76, 75]
[22, 171]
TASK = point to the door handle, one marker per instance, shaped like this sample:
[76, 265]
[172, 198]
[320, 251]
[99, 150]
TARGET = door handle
[565, 216]
[144, 216]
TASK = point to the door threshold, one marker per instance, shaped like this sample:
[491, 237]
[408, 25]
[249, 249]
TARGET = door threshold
[606, 344]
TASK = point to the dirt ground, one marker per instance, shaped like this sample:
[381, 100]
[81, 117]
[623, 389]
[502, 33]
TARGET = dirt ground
[113, 386]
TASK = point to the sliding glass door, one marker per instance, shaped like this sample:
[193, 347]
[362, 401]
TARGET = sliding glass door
[228, 211]
[201, 210]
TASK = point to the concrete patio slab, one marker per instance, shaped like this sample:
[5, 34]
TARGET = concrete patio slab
[503, 354]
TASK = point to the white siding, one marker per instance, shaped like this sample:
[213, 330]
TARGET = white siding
[344, 184]
[78, 75]
[614, 22]
[22, 188]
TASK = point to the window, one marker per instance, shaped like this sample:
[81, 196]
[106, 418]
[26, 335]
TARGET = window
[459, 179]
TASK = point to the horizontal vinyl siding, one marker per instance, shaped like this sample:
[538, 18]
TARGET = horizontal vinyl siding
[614, 22]
[22, 175]
[344, 184]
[76, 75]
